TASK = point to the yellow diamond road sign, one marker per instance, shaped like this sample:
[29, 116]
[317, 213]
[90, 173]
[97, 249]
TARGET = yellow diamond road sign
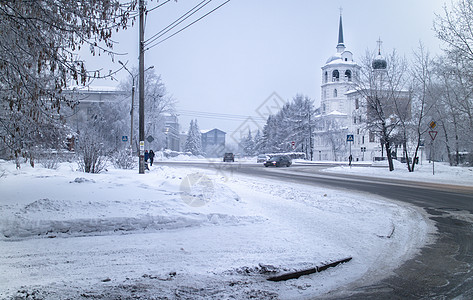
[432, 124]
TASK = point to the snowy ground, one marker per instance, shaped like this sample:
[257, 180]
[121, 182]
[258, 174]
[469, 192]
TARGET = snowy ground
[177, 233]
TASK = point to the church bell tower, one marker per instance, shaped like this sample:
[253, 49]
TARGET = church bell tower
[338, 76]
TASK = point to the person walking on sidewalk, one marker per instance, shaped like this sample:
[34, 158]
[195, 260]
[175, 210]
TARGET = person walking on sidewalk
[151, 157]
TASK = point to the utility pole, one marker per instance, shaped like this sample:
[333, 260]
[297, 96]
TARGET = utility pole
[131, 113]
[142, 90]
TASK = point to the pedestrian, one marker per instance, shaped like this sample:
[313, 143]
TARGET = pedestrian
[350, 158]
[146, 155]
[151, 157]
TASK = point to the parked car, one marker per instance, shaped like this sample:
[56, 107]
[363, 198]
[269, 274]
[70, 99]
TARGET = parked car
[278, 161]
[229, 157]
[262, 158]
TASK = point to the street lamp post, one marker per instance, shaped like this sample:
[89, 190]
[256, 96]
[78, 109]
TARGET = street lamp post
[132, 100]
[132, 104]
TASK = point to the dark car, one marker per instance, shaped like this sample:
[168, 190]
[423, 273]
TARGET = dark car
[229, 157]
[278, 161]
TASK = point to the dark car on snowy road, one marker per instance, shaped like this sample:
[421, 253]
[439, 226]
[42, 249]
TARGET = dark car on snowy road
[278, 161]
[229, 157]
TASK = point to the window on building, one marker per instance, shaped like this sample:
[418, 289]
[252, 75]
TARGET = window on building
[354, 120]
[325, 94]
[326, 76]
[335, 75]
[348, 75]
[335, 93]
[357, 103]
[371, 137]
[363, 139]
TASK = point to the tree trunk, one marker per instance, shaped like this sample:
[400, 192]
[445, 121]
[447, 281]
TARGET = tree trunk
[388, 153]
[406, 156]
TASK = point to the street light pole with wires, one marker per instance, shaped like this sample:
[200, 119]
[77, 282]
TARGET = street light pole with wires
[142, 91]
[142, 49]
[132, 101]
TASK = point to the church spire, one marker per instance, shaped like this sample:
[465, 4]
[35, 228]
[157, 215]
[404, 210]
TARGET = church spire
[340, 45]
[340, 30]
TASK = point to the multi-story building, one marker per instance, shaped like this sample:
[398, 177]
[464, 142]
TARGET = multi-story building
[171, 131]
[213, 142]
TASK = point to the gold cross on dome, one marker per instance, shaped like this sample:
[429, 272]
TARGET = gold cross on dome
[379, 41]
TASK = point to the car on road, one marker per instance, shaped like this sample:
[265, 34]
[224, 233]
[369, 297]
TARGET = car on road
[262, 158]
[229, 157]
[278, 161]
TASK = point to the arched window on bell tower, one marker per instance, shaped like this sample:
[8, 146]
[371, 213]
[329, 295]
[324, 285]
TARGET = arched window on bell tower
[325, 76]
[335, 76]
[348, 75]
[335, 93]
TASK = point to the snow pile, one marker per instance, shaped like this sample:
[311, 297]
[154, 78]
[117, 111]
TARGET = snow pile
[92, 206]
[181, 233]
[441, 172]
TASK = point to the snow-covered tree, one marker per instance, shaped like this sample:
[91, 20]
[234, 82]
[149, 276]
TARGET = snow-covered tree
[157, 103]
[247, 144]
[259, 142]
[37, 59]
[293, 123]
[194, 139]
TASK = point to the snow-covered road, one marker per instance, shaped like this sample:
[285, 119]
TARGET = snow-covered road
[178, 233]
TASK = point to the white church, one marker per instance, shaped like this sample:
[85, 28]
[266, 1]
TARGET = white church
[341, 129]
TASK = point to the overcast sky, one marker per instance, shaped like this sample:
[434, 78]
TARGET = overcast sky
[230, 62]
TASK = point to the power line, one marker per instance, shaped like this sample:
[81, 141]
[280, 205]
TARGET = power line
[163, 40]
[220, 116]
[181, 19]
[158, 6]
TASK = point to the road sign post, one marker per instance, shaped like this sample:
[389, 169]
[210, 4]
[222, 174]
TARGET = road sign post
[350, 139]
[433, 135]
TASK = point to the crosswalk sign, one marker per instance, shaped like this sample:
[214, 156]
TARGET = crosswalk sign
[350, 138]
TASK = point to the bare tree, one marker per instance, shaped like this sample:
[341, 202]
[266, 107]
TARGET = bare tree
[382, 84]
[158, 103]
[455, 27]
[414, 126]
[454, 108]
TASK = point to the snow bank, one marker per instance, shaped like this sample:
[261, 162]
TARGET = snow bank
[427, 172]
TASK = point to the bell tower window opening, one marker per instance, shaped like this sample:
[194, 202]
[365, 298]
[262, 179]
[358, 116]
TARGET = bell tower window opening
[348, 75]
[325, 76]
[335, 76]
[335, 93]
